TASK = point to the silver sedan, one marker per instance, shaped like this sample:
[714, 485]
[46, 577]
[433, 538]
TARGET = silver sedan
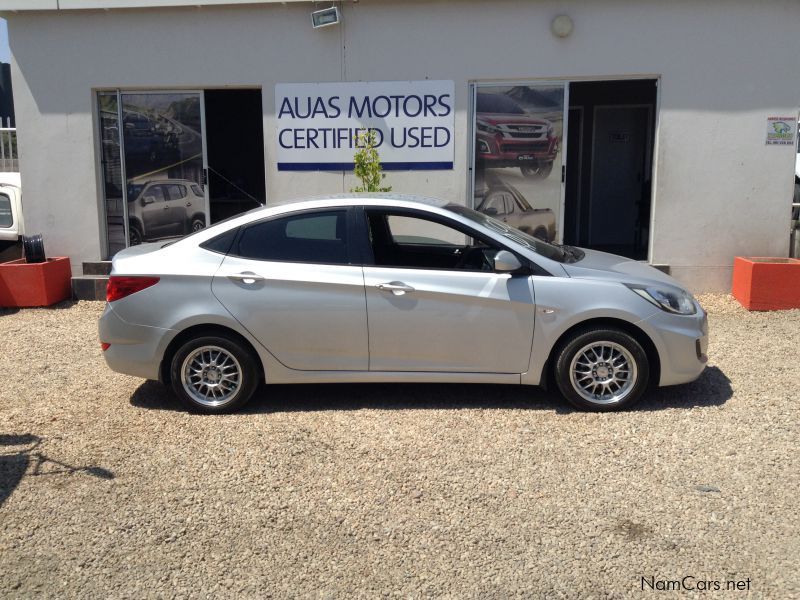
[389, 288]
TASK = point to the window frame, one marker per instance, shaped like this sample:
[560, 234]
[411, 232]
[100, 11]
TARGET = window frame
[11, 211]
[368, 258]
[351, 233]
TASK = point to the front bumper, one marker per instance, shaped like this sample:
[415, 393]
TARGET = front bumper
[514, 152]
[135, 349]
[682, 344]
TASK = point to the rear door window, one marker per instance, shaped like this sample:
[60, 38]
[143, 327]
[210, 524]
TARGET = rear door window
[316, 237]
[175, 191]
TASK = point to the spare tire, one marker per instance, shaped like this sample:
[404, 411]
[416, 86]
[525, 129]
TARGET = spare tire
[34, 248]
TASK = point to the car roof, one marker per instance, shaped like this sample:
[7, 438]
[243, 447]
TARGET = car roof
[365, 198]
[317, 202]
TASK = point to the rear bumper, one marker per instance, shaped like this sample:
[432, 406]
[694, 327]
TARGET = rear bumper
[682, 344]
[135, 349]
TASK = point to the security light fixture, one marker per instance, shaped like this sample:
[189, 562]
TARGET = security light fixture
[325, 17]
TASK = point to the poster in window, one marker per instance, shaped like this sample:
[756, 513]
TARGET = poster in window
[163, 149]
[518, 134]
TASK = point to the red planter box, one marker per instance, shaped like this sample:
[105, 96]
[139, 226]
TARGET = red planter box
[766, 283]
[35, 284]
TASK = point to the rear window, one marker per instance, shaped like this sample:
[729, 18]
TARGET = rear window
[222, 243]
[318, 237]
[6, 218]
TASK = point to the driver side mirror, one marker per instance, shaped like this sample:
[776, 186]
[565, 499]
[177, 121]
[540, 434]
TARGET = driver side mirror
[491, 211]
[148, 200]
[505, 262]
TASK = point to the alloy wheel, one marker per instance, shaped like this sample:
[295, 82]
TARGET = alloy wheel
[603, 372]
[211, 375]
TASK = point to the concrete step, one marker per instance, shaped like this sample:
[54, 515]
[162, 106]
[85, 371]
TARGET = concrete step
[100, 267]
[89, 287]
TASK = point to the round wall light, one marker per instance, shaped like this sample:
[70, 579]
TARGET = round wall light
[562, 26]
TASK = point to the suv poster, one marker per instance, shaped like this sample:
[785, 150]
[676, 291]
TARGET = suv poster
[163, 149]
[518, 135]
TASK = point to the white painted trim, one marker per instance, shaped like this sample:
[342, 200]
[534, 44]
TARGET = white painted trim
[63, 5]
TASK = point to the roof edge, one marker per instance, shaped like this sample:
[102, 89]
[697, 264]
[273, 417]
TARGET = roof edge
[70, 5]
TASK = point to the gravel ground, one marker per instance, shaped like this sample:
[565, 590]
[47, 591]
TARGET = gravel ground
[108, 489]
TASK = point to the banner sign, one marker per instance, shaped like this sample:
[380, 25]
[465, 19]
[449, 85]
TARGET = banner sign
[318, 124]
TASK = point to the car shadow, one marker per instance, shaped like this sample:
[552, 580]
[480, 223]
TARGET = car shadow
[63, 305]
[20, 457]
[712, 388]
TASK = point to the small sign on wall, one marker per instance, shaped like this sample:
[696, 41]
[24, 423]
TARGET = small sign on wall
[780, 131]
[318, 124]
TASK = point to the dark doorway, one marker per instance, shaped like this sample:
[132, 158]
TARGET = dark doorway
[609, 166]
[235, 148]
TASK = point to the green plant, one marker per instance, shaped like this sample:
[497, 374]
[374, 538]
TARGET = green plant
[368, 164]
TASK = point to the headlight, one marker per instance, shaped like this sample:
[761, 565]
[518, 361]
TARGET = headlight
[483, 126]
[669, 299]
[550, 131]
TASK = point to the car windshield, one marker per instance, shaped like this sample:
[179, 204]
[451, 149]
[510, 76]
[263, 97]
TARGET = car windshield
[498, 104]
[563, 254]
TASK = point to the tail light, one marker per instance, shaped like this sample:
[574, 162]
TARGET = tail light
[121, 286]
[104, 346]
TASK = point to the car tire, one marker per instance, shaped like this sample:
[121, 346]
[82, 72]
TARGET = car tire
[33, 248]
[135, 235]
[540, 233]
[198, 224]
[541, 171]
[214, 374]
[601, 369]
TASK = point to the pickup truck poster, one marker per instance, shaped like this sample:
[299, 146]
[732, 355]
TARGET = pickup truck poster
[518, 135]
[318, 124]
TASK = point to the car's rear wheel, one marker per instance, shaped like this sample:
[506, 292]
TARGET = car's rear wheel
[135, 235]
[602, 369]
[198, 224]
[213, 374]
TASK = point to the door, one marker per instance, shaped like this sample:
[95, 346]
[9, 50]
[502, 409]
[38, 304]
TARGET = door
[163, 144]
[152, 210]
[434, 302]
[518, 130]
[618, 175]
[180, 208]
[294, 284]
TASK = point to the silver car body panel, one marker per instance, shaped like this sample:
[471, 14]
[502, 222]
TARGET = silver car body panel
[331, 323]
[464, 321]
[310, 317]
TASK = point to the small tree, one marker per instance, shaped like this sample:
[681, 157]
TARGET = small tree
[368, 164]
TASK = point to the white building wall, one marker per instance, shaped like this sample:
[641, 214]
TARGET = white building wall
[724, 67]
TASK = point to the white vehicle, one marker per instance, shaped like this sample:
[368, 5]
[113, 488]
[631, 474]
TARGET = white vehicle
[11, 224]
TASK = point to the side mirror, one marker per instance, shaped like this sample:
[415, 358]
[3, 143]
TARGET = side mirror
[148, 200]
[505, 262]
[491, 211]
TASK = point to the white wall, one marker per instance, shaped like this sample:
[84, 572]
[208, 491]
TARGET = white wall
[724, 68]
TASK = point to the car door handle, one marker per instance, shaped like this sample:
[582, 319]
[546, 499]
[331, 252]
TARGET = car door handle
[398, 288]
[188, 204]
[247, 278]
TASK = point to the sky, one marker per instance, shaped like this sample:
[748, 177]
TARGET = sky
[5, 53]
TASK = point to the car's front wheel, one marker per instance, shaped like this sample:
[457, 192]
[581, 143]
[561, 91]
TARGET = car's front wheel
[214, 374]
[540, 171]
[602, 369]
